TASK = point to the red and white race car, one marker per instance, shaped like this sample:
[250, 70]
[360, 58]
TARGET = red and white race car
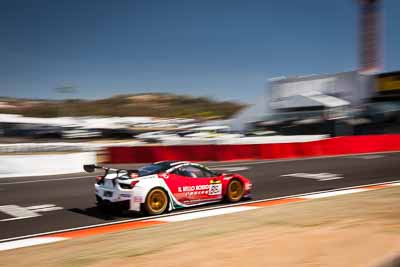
[167, 185]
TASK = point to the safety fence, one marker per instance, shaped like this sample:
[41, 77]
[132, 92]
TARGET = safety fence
[326, 147]
[98, 146]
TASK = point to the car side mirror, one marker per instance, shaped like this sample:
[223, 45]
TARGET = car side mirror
[89, 167]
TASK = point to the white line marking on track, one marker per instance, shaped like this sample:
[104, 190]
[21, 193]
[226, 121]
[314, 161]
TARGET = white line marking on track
[394, 184]
[321, 177]
[230, 169]
[203, 214]
[367, 157]
[47, 180]
[19, 213]
[337, 193]
[49, 209]
[16, 218]
[29, 242]
[40, 207]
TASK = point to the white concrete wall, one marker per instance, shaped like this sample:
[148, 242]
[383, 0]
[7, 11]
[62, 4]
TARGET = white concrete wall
[61, 146]
[243, 140]
[48, 164]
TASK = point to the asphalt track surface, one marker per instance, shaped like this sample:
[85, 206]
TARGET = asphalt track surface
[75, 193]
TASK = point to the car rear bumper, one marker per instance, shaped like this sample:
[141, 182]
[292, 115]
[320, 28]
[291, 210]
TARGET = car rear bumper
[114, 195]
[105, 203]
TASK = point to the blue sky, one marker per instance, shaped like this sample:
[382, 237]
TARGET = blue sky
[226, 49]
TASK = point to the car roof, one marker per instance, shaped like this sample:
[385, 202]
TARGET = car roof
[166, 164]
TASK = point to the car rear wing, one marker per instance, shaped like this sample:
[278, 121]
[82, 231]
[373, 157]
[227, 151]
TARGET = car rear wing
[93, 167]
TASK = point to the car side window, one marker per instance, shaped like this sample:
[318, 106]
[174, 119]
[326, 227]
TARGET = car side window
[182, 171]
[194, 172]
[179, 171]
[206, 173]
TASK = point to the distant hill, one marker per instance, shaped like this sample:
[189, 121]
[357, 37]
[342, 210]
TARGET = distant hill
[152, 104]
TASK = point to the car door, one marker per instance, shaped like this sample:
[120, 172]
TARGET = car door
[176, 182]
[201, 185]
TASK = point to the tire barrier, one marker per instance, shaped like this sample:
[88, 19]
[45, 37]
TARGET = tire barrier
[326, 147]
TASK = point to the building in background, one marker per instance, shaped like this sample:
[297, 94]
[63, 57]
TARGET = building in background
[345, 103]
[315, 104]
[387, 85]
[363, 101]
[383, 107]
[328, 91]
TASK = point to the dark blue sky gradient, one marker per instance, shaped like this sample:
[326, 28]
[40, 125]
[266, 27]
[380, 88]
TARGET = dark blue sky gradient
[226, 49]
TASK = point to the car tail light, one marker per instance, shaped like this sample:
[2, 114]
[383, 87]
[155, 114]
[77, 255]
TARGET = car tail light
[133, 183]
[125, 186]
[99, 179]
[134, 175]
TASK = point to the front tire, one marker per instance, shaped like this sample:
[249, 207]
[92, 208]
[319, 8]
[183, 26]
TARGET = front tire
[156, 202]
[235, 191]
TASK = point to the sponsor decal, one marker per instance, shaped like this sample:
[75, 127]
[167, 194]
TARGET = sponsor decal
[212, 189]
[215, 189]
[125, 195]
[193, 188]
[204, 192]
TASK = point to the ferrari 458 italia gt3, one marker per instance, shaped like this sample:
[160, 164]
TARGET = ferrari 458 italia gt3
[167, 185]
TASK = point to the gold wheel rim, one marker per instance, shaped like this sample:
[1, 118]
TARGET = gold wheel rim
[157, 201]
[235, 190]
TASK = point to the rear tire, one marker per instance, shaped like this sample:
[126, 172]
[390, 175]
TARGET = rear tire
[156, 202]
[101, 205]
[235, 191]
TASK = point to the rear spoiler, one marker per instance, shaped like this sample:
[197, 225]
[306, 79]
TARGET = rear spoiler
[93, 167]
